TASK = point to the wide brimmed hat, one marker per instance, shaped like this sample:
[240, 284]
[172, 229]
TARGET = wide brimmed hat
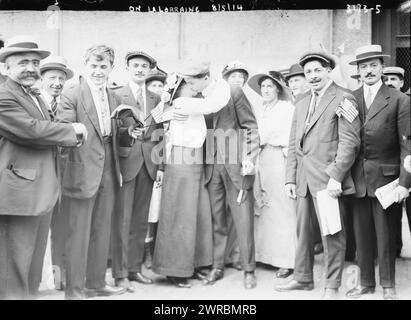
[235, 66]
[318, 55]
[255, 84]
[394, 70]
[191, 68]
[368, 52]
[56, 63]
[21, 44]
[150, 59]
[156, 74]
[295, 70]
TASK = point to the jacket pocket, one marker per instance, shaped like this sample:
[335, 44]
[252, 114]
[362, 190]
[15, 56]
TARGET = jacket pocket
[390, 169]
[18, 178]
[329, 130]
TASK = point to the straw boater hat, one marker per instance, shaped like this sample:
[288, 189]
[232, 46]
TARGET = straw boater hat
[255, 84]
[295, 70]
[235, 66]
[368, 52]
[21, 44]
[317, 55]
[150, 59]
[56, 63]
[394, 70]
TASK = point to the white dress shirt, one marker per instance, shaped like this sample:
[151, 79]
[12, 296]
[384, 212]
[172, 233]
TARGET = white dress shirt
[134, 88]
[374, 89]
[216, 96]
[103, 108]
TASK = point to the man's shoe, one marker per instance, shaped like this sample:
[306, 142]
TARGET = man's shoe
[330, 294]
[214, 275]
[236, 265]
[389, 294]
[179, 282]
[283, 273]
[105, 292]
[318, 248]
[295, 285]
[359, 291]
[199, 275]
[124, 283]
[139, 277]
[250, 280]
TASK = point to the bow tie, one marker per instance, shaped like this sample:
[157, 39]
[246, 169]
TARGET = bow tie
[33, 91]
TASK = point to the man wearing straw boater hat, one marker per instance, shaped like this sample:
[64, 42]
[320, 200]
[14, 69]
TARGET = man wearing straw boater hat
[385, 115]
[324, 140]
[29, 184]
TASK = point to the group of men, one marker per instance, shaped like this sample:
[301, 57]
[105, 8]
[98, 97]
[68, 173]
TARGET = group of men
[68, 163]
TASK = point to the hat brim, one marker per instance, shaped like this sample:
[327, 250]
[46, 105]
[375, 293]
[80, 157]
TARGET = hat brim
[355, 62]
[253, 83]
[226, 73]
[290, 75]
[318, 56]
[67, 71]
[156, 78]
[7, 52]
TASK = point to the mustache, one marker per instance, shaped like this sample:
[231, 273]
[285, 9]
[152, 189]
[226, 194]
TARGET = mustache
[391, 86]
[370, 74]
[29, 74]
[315, 80]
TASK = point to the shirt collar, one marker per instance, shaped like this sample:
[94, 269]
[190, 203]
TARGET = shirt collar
[374, 88]
[322, 91]
[48, 98]
[95, 88]
[134, 87]
[209, 88]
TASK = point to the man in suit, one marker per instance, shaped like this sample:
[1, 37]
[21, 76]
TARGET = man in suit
[322, 149]
[92, 177]
[53, 73]
[296, 81]
[139, 172]
[228, 171]
[385, 115]
[29, 186]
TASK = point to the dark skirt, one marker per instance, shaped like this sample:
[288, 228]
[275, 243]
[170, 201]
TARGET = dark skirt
[184, 234]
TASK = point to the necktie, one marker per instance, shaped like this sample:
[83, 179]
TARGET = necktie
[311, 110]
[140, 100]
[368, 99]
[53, 108]
[105, 113]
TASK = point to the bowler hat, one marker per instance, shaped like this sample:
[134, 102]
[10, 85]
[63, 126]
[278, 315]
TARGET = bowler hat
[394, 70]
[317, 55]
[295, 70]
[21, 44]
[235, 66]
[255, 84]
[150, 59]
[192, 68]
[56, 63]
[368, 52]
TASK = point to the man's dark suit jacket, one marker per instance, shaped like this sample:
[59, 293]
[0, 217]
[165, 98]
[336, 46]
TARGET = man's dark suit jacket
[383, 147]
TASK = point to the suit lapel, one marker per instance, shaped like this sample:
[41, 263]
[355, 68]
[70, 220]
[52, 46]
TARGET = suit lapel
[89, 107]
[326, 99]
[305, 105]
[379, 103]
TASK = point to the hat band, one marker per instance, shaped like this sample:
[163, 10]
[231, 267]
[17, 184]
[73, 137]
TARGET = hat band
[365, 55]
[54, 65]
[24, 45]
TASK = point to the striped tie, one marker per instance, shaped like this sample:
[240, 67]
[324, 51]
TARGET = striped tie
[53, 108]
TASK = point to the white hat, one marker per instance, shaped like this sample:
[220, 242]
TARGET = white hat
[368, 52]
[21, 44]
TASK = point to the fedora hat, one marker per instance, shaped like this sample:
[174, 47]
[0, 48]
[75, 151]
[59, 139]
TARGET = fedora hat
[235, 66]
[295, 70]
[156, 74]
[56, 63]
[394, 70]
[255, 84]
[368, 52]
[21, 44]
[150, 59]
[317, 55]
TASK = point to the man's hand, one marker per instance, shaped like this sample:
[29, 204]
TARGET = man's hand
[165, 96]
[247, 167]
[159, 178]
[136, 132]
[407, 163]
[334, 188]
[290, 190]
[81, 132]
[400, 193]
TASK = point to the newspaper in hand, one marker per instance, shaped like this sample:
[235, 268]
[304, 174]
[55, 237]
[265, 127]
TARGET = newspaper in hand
[329, 212]
[386, 194]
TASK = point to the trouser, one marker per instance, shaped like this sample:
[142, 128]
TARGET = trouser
[223, 192]
[130, 223]
[373, 223]
[18, 244]
[89, 234]
[334, 245]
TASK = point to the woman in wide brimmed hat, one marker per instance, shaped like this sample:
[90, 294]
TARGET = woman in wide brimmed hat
[184, 234]
[275, 222]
